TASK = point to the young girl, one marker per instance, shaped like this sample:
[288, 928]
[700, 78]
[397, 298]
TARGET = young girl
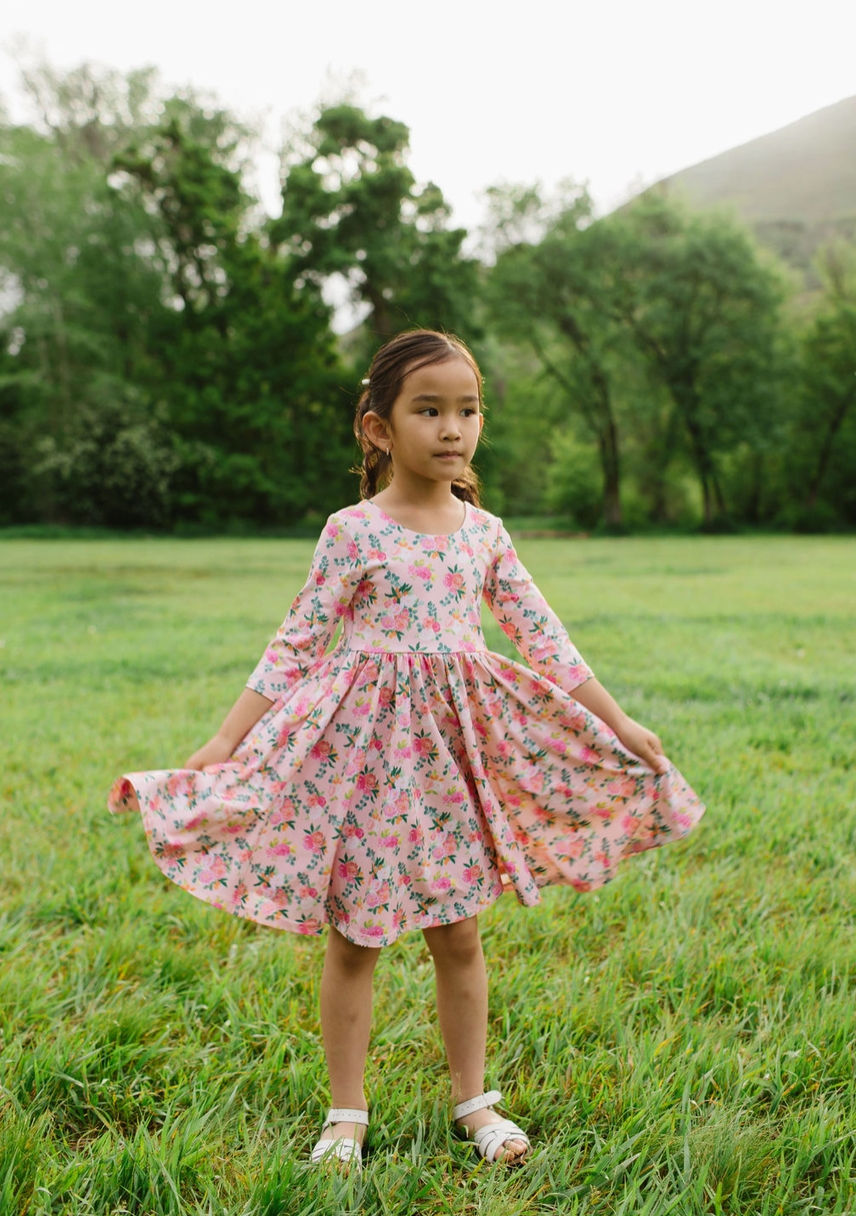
[408, 777]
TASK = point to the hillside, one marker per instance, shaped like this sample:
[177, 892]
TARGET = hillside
[796, 186]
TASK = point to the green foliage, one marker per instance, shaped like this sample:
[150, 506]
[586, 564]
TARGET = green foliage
[681, 1041]
[167, 358]
[351, 207]
[574, 484]
[537, 297]
[824, 454]
[162, 364]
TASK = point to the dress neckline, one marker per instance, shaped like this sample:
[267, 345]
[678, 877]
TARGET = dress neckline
[430, 535]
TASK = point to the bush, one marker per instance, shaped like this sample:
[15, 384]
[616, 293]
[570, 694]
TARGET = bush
[574, 486]
[112, 469]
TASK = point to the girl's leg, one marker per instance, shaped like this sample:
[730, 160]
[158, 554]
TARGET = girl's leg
[462, 1010]
[346, 1015]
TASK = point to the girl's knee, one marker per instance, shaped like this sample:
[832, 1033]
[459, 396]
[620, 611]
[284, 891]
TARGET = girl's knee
[459, 942]
[348, 955]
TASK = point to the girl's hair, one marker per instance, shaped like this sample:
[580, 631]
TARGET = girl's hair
[395, 360]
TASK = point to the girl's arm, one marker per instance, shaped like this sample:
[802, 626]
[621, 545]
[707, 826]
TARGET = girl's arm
[241, 718]
[635, 737]
[526, 618]
[300, 641]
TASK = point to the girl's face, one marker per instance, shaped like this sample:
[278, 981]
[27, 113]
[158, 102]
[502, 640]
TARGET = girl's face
[435, 423]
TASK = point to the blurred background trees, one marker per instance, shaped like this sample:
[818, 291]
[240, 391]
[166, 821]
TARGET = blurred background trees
[168, 357]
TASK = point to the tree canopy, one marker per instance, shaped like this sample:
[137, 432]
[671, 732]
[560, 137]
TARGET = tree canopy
[168, 355]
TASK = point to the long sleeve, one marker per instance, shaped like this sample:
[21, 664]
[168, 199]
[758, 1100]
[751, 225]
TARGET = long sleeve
[305, 633]
[527, 619]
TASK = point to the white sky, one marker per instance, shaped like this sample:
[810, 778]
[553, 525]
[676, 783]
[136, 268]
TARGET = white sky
[616, 92]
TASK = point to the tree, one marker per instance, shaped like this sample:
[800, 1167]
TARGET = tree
[704, 309]
[153, 329]
[351, 207]
[829, 372]
[551, 267]
[248, 353]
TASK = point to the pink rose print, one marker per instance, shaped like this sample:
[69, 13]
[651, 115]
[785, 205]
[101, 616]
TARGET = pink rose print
[379, 895]
[574, 847]
[212, 872]
[622, 787]
[409, 742]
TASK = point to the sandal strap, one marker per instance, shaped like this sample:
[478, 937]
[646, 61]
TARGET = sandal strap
[472, 1104]
[343, 1114]
[344, 1149]
[490, 1139]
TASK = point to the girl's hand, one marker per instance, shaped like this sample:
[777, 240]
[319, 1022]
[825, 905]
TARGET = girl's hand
[644, 744]
[215, 751]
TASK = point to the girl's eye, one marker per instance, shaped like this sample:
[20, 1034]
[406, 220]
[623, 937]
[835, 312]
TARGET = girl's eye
[433, 410]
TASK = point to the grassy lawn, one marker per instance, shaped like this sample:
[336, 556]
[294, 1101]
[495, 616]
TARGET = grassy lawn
[683, 1041]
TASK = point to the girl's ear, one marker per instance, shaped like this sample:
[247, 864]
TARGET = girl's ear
[374, 429]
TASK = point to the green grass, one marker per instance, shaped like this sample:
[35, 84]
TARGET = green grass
[682, 1041]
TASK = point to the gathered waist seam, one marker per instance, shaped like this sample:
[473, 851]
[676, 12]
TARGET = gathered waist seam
[418, 654]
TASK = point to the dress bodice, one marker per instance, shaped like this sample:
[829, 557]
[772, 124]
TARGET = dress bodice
[396, 590]
[416, 592]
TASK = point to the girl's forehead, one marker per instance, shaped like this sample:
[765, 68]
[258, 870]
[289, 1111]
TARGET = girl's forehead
[452, 378]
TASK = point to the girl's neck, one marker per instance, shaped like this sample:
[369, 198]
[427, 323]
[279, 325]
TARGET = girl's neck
[432, 514]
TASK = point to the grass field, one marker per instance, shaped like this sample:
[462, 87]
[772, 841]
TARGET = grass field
[682, 1042]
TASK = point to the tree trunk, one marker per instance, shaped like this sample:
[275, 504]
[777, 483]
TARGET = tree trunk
[609, 450]
[711, 491]
[825, 453]
[609, 458]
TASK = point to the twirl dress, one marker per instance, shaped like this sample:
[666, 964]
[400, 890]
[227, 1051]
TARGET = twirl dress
[410, 775]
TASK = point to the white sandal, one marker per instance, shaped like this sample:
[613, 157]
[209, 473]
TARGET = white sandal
[343, 1148]
[494, 1136]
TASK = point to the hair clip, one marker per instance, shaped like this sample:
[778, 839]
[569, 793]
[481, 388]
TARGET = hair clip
[365, 383]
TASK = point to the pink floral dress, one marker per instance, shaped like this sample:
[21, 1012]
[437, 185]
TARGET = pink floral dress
[407, 777]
